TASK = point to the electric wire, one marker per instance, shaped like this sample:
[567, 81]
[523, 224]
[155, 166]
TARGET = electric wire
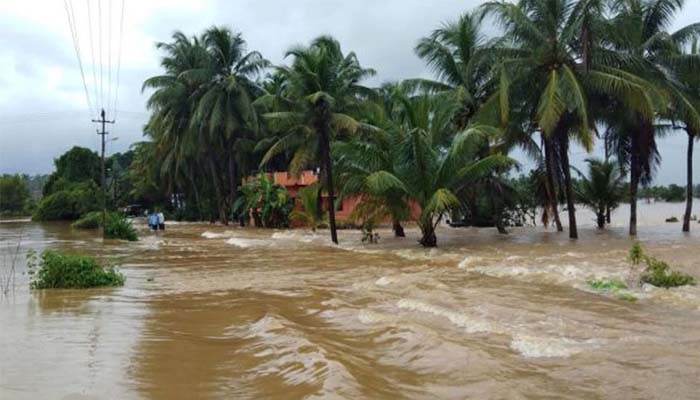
[76, 46]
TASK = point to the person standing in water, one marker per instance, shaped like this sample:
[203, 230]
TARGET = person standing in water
[153, 221]
[161, 221]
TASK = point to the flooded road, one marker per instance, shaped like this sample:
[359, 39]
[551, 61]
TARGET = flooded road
[214, 312]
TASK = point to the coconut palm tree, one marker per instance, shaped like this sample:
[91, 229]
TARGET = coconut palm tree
[172, 103]
[455, 53]
[547, 69]
[601, 189]
[687, 68]
[637, 33]
[224, 114]
[322, 85]
[421, 168]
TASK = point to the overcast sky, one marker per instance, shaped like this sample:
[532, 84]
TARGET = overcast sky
[43, 107]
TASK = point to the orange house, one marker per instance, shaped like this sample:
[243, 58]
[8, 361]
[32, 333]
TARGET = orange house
[306, 178]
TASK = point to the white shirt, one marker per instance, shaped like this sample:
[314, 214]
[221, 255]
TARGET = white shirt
[161, 218]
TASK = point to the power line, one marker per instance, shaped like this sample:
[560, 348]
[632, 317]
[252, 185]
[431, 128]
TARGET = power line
[119, 58]
[109, 55]
[92, 49]
[99, 28]
[76, 46]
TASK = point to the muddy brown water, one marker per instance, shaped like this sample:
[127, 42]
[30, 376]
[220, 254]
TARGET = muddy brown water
[214, 312]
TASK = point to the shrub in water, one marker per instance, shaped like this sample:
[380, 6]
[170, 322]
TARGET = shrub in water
[118, 227]
[657, 272]
[55, 270]
[611, 285]
[627, 297]
[91, 220]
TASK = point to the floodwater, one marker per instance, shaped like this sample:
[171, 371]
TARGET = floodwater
[220, 312]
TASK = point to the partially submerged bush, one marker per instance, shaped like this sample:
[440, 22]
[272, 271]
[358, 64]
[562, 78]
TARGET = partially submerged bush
[658, 273]
[56, 270]
[607, 285]
[91, 220]
[118, 227]
[627, 297]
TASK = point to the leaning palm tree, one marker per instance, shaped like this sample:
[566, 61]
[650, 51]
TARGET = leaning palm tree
[601, 189]
[322, 84]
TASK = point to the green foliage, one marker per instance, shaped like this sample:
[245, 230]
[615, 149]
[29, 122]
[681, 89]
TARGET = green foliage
[14, 195]
[657, 272]
[76, 165]
[636, 254]
[56, 270]
[70, 202]
[266, 202]
[119, 227]
[607, 285]
[627, 297]
[601, 189]
[308, 215]
[672, 193]
[91, 220]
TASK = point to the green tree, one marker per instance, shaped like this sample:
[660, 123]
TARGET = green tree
[456, 54]
[548, 71]
[637, 33]
[14, 194]
[322, 84]
[601, 189]
[425, 171]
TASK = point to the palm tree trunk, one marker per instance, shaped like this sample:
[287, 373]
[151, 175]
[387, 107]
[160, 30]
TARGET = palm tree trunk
[328, 169]
[397, 228]
[233, 187]
[634, 182]
[217, 187]
[600, 217]
[570, 202]
[551, 188]
[428, 239]
[689, 187]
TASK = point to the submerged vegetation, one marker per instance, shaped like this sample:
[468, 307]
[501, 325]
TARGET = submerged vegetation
[56, 270]
[657, 272]
[607, 285]
[117, 226]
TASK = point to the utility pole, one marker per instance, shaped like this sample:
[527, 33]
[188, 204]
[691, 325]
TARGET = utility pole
[103, 133]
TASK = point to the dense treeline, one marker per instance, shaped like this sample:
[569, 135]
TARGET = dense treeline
[561, 72]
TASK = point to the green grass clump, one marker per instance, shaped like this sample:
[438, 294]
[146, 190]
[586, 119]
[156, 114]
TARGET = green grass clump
[627, 297]
[658, 273]
[91, 220]
[118, 227]
[607, 285]
[56, 270]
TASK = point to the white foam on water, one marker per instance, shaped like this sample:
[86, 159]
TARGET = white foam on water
[384, 281]
[469, 261]
[547, 347]
[214, 235]
[371, 317]
[464, 321]
[246, 243]
[298, 236]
